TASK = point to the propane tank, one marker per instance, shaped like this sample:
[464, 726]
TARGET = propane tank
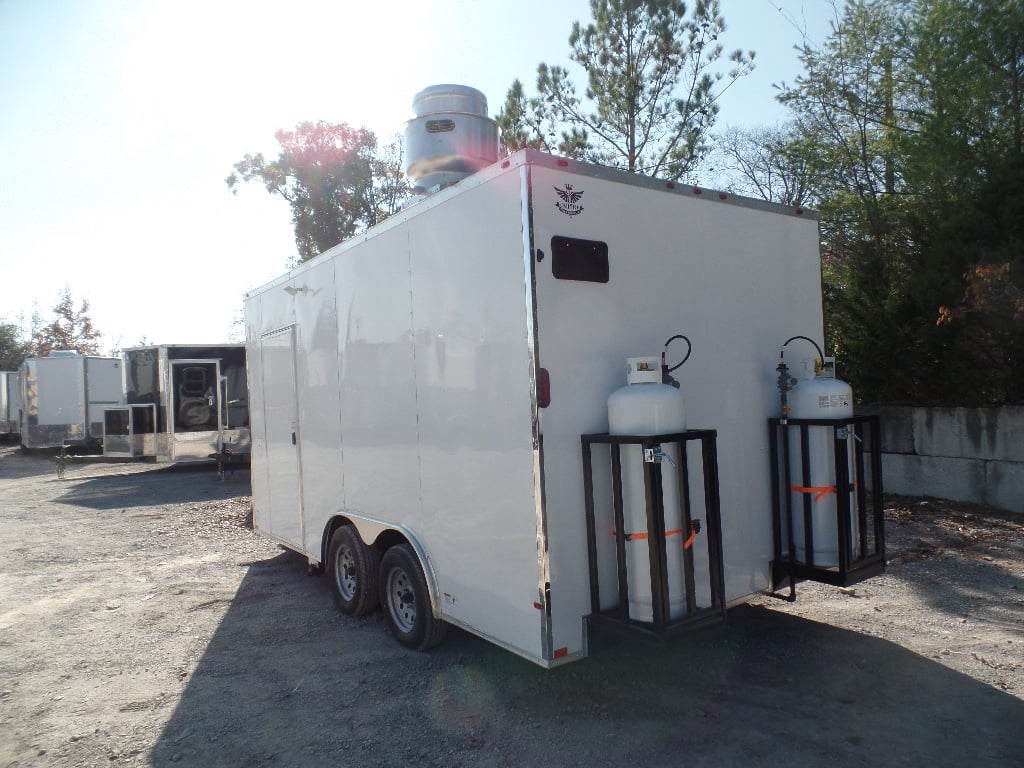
[647, 406]
[817, 394]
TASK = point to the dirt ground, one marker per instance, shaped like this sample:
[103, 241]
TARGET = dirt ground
[143, 623]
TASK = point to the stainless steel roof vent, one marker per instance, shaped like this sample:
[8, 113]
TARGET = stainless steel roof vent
[449, 138]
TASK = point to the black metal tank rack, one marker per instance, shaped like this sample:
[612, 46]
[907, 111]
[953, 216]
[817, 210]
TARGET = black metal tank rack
[658, 541]
[859, 525]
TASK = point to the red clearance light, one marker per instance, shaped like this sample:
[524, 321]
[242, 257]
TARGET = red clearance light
[698, 191]
[560, 653]
[543, 388]
[564, 163]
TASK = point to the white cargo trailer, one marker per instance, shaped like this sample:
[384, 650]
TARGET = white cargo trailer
[182, 402]
[10, 403]
[63, 397]
[420, 394]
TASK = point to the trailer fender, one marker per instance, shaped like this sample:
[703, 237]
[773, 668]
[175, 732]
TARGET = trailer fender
[383, 536]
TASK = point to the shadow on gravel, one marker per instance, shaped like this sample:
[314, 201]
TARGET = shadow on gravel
[287, 681]
[984, 550]
[18, 464]
[981, 591]
[191, 482]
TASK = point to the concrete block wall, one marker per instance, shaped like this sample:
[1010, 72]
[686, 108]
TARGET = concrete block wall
[965, 454]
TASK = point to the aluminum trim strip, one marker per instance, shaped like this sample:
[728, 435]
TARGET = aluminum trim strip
[533, 351]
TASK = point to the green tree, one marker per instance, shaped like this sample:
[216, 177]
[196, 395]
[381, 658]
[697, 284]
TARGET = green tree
[652, 87]
[910, 114]
[845, 113]
[964, 173]
[70, 328]
[13, 346]
[333, 179]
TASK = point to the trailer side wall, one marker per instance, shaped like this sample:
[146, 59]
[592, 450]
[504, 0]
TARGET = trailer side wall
[402, 365]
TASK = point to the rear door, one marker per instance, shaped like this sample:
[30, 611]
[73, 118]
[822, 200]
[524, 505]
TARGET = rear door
[194, 408]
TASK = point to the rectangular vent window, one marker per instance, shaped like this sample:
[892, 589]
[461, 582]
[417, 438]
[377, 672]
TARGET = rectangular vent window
[440, 126]
[575, 259]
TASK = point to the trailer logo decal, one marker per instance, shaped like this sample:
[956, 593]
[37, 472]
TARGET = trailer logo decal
[570, 203]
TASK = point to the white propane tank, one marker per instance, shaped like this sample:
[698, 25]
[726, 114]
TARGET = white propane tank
[646, 406]
[818, 395]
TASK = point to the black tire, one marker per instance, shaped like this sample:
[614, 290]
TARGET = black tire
[353, 568]
[406, 601]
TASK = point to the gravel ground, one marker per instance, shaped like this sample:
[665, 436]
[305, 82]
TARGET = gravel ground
[143, 623]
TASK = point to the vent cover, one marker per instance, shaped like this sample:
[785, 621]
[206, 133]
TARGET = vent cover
[449, 138]
[440, 126]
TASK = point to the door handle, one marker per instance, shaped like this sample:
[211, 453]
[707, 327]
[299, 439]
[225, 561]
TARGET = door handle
[293, 439]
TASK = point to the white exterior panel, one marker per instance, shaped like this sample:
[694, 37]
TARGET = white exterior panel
[318, 409]
[378, 380]
[103, 388]
[474, 399]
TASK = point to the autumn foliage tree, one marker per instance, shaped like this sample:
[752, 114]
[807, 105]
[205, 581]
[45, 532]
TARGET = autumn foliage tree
[70, 328]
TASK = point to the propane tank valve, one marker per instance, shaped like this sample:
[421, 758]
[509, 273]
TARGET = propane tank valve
[785, 383]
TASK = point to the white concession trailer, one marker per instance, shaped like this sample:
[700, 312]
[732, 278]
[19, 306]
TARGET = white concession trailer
[430, 400]
[63, 397]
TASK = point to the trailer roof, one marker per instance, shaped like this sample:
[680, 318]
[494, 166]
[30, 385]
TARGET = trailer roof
[535, 157]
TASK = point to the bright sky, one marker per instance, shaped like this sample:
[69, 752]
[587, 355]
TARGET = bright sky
[120, 119]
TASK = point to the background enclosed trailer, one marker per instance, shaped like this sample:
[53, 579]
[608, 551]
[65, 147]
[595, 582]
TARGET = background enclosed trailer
[394, 378]
[63, 398]
[182, 402]
[10, 403]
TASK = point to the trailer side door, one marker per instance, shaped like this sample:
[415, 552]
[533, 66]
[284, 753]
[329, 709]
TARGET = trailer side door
[281, 516]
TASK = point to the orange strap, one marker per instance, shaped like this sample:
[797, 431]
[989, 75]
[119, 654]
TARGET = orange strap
[631, 536]
[686, 544]
[819, 491]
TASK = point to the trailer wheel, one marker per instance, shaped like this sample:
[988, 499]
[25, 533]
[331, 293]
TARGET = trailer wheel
[353, 568]
[406, 600]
